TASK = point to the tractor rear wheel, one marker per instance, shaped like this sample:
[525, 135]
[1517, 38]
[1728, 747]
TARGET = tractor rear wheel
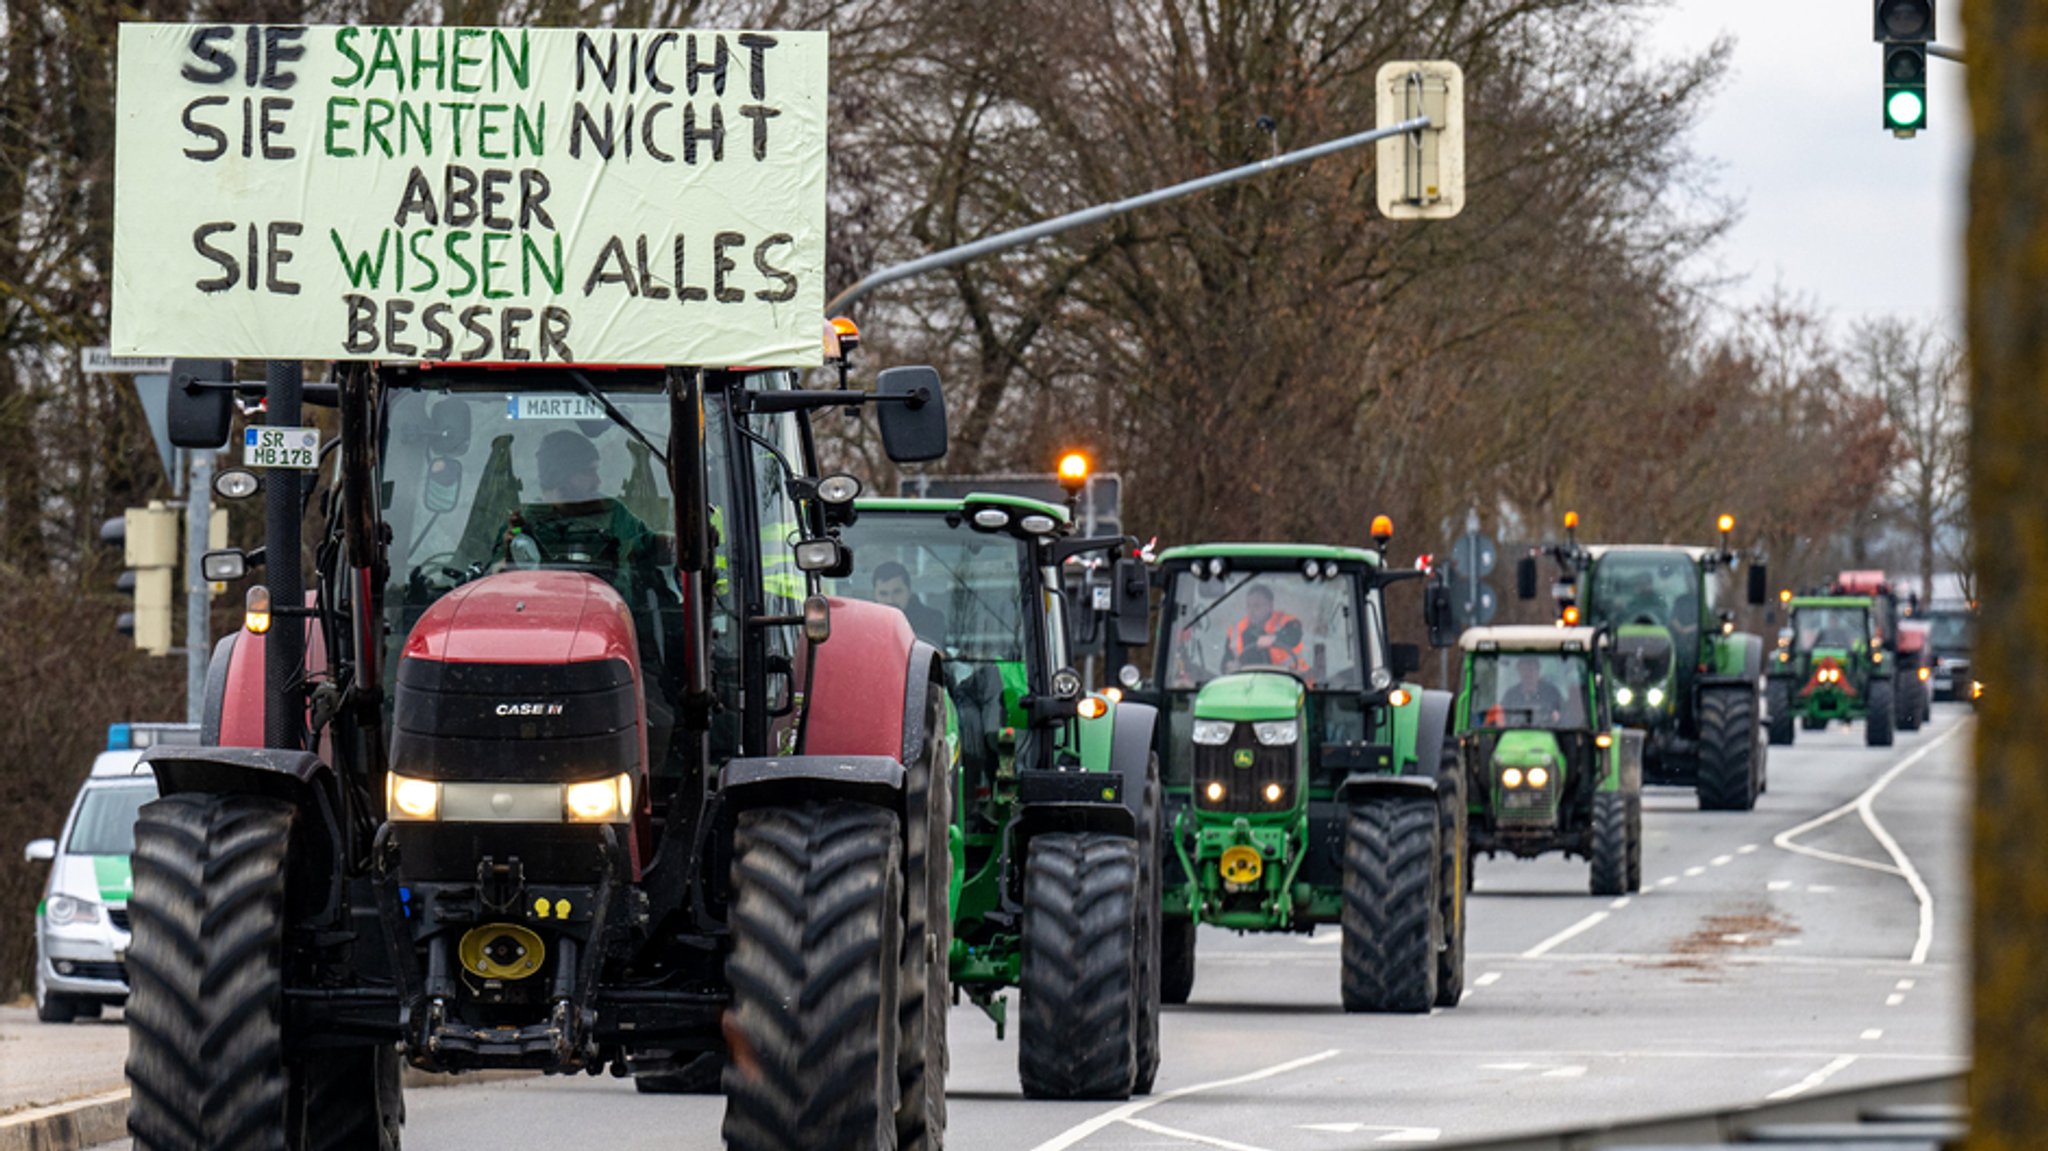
[1635, 842]
[817, 926]
[1877, 725]
[1451, 837]
[1611, 843]
[927, 939]
[1079, 977]
[1782, 711]
[348, 1100]
[1727, 749]
[1392, 908]
[1149, 911]
[1911, 697]
[1176, 960]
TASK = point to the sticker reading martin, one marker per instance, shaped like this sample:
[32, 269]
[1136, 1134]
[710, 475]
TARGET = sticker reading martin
[493, 195]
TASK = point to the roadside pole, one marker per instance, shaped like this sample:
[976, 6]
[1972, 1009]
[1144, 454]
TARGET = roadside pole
[198, 597]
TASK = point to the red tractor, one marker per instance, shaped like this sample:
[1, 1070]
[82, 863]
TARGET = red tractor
[551, 766]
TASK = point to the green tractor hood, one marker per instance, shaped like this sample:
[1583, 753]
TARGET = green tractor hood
[1250, 696]
[1526, 748]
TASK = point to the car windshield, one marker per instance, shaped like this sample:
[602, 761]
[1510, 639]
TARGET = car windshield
[1659, 588]
[960, 588]
[1263, 619]
[1951, 631]
[1528, 689]
[1835, 627]
[106, 819]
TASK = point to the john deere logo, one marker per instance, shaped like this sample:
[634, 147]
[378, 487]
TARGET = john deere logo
[1242, 757]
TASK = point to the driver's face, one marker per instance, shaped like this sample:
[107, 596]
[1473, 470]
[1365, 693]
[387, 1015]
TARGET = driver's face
[893, 592]
[574, 488]
[1259, 605]
[1529, 672]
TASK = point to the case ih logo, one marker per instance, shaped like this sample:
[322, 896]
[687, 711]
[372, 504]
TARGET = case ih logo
[517, 709]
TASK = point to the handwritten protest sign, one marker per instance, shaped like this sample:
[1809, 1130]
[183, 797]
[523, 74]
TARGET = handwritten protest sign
[469, 194]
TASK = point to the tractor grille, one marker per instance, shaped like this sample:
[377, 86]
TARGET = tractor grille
[1244, 788]
[1535, 805]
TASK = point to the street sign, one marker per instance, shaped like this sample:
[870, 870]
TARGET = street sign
[154, 390]
[1474, 555]
[1473, 607]
[101, 362]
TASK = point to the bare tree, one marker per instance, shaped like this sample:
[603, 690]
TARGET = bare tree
[1918, 374]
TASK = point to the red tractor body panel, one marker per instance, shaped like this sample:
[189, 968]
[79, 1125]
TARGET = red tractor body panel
[529, 617]
[858, 681]
[242, 704]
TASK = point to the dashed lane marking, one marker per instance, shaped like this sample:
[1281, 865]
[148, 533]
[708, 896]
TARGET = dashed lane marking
[1905, 985]
[1778, 885]
[1894, 999]
[1814, 1080]
[1582, 926]
[1746, 849]
[1667, 881]
[1620, 903]
[1874, 1033]
[1722, 860]
[1695, 872]
[1487, 980]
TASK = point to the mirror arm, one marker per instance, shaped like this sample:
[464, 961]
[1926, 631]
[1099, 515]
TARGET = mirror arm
[802, 400]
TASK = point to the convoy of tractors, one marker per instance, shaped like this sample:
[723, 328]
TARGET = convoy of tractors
[612, 734]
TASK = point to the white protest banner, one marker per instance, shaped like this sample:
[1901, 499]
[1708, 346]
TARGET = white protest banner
[490, 195]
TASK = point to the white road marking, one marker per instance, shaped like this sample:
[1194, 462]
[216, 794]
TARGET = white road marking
[1084, 1129]
[1722, 860]
[1746, 849]
[1487, 980]
[1814, 1080]
[1620, 903]
[1572, 1072]
[1894, 999]
[1778, 885]
[1695, 872]
[1330, 940]
[1864, 806]
[1189, 1136]
[1874, 1033]
[1505, 1066]
[1905, 985]
[1393, 1134]
[1667, 881]
[1582, 926]
[1820, 889]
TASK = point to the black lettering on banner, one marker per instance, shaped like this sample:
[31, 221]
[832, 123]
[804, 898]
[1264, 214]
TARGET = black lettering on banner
[582, 123]
[685, 293]
[417, 198]
[607, 65]
[362, 325]
[494, 197]
[281, 46]
[201, 128]
[720, 57]
[654, 80]
[533, 196]
[721, 264]
[229, 270]
[248, 126]
[396, 310]
[482, 349]
[787, 289]
[272, 126]
[509, 320]
[554, 334]
[460, 200]
[278, 256]
[654, 291]
[760, 114]
[647, 143]
[715, 134]
[220, 67]
[443, 338]
[252, 257]
[601, 273]
[757, 47]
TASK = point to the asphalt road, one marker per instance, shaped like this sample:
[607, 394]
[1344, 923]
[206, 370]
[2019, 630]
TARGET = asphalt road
[1815, 941]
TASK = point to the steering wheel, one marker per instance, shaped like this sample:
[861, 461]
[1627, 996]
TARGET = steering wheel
[436, 575]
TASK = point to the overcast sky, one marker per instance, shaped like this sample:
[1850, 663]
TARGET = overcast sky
[1832, 206]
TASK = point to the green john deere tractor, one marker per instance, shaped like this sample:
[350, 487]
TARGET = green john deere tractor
[1305, 783]
[1682, 674]
[1833, 666]
[1547, 768]
[1056, 799]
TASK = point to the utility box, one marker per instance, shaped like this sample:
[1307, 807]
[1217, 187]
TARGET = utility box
[1421, 173]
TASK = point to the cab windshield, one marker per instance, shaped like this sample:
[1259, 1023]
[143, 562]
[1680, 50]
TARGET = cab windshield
[961, 589]
[1950, 631]
[1279, 620]
[1528, 689]
[1660, 588]
[1832, 627]
[106, 819]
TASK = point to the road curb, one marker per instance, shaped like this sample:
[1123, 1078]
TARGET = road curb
[69, 1126]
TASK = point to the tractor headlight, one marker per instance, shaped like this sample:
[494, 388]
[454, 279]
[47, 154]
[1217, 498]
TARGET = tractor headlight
[1624, 695]
[1215, 792]
[1273, 792]
[406, 798]
[1655, 697]
[599, 800]
[1277, 733]
[1212, 732]
[65, 910]
[1511, 777]
[1539, 777]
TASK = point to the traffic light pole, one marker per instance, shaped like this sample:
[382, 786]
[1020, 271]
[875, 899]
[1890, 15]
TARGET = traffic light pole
[198, 600]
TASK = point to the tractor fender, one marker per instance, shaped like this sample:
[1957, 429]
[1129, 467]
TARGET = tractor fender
[859, 701]
[1130, 750]
[214, 703]
[236, 697]
[300, 778]
[1363, 786]
[1432, 728]
[754, 782]
[1743, 657]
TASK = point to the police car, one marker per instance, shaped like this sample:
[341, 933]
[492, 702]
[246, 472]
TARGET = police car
[82, 921]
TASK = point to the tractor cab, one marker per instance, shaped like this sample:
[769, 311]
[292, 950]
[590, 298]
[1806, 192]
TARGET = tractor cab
[1657, 600]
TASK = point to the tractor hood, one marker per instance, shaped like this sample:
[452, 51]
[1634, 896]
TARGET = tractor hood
[1644, 667]
[1249, 696]
[1524, 748]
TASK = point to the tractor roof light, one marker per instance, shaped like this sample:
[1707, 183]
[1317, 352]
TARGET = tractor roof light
[1571, 521]
[1784, 595]
[991, 518]
[1073, 471]
[1726, 523]
[256, 610]
[1038, 525]
[1382, 531]
[1571, 615]
[842, 336]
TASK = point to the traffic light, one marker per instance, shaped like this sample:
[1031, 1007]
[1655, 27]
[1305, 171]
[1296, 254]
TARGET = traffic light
[149, 546]
[1421, 174]
[1904, 28]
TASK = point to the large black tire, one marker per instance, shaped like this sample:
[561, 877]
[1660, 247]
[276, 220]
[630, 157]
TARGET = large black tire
[1783, 712]
[1610, 843]
[349, 1100]
[928, 939]
[1077, 1038]
[1176, 960]
[1451, 839]
[1149, 914]
[206, 1060]
[1392, 908]
[817, 928]
[1635, 842]
[703, 1075]
[1911, 697]
[1727, 749]
[52, 1007]
[1877, 725]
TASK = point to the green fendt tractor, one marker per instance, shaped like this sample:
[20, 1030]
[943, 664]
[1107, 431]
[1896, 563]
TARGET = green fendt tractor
[1833, 666]
[1547, 768]
[1305, 783]
[1683, 675]
[1056, 803]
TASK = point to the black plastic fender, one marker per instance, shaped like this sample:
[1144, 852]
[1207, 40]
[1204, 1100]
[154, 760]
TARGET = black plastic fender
[297, 777]
[924, 668]
[1130, 750]
[1358, 787]
[216, 688]
[1432, 727]
[754, 782]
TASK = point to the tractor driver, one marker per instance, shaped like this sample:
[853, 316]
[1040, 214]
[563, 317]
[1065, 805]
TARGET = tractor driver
[1533, 695]
[1644, 604]
[892, 587]
[1265, 637]
[576, 523]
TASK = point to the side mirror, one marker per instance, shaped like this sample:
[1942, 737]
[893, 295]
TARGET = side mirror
[1525, 577]
[1759, 583]
[913, 429]
[198, 416]
[1406, 659]
[223, 566]
[1131, 601]
[40, 850]
[1437, 613]
[443, 490]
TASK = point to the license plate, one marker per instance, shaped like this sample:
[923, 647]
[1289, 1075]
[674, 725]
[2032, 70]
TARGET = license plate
[290, 448]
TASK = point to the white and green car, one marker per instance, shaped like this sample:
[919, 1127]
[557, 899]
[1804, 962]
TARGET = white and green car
[82, 921]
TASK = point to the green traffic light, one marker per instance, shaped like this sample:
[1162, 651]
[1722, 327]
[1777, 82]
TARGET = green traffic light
[1905, 109]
